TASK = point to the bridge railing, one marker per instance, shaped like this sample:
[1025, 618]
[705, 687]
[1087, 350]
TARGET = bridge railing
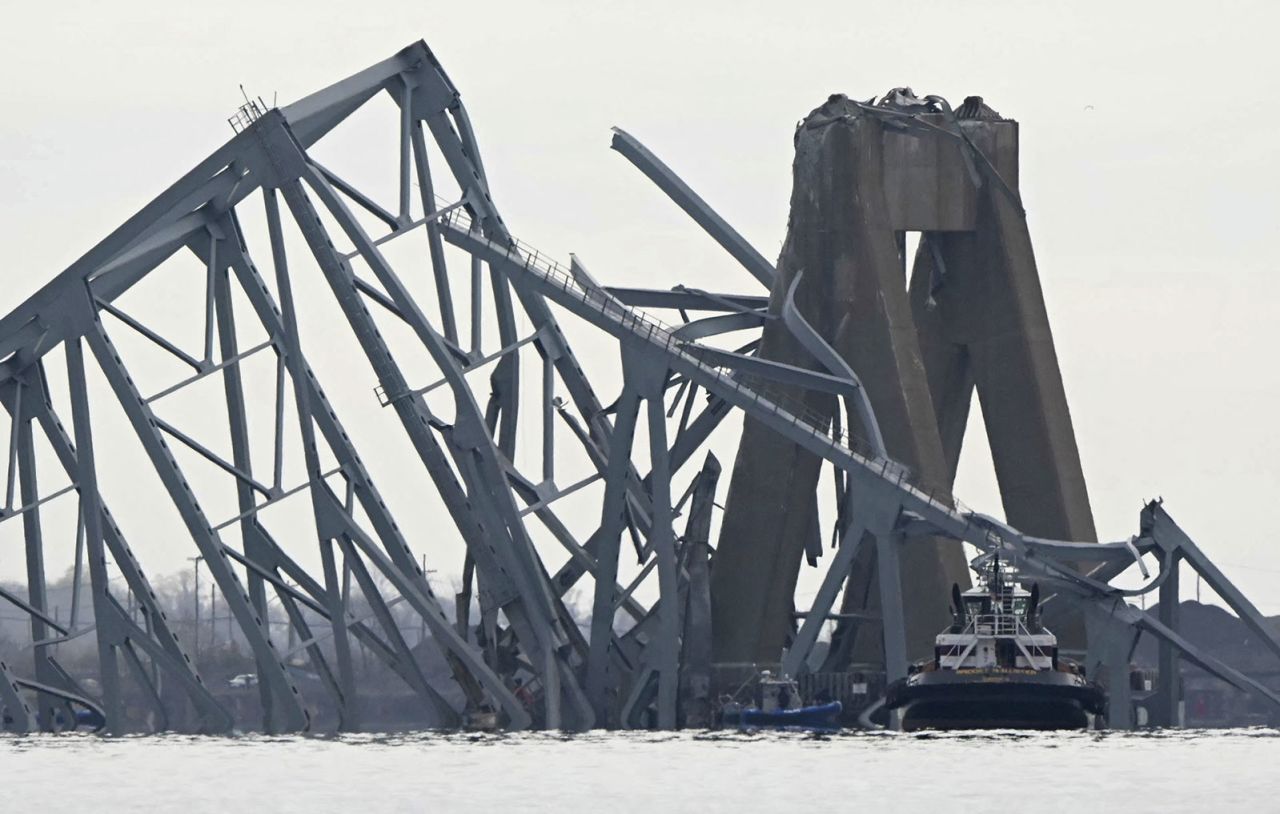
[771, 396]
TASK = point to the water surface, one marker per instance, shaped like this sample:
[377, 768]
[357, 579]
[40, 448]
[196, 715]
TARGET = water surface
[620, 772]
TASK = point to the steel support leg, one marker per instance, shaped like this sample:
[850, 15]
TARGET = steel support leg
[870, 511]
[91, 516]
[448, 320]
[612, 521]
[695, 645]
[1168, 697]
[293, 715]
[238, 424]
[468, 667]
[1111, 643]
[153, 694]
[441, 714]
[795, 661]
[335, 601]
[662, 540]
[45, 672]
[348, 716]
[17, 714]
[891, 605]
[168, 650]
[526, 613]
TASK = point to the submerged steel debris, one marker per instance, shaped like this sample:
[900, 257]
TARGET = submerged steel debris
[881, 364]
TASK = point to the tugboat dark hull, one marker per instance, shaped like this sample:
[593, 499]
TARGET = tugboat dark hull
[988, 699]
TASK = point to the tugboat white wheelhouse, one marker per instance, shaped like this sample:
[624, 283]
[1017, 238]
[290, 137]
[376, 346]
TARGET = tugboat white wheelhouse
[996, 666]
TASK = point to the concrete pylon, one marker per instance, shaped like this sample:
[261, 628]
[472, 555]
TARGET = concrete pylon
[980, 313]
[853, 292]
[974, 318]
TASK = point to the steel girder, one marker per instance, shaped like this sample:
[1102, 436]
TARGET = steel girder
[470, 459]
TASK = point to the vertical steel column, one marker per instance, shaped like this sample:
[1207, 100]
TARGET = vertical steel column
[895, 631]
[695, 644]
[336, 602]
[258, 545]
[662, 541]
[29, 493]
[444, 296]
[407, 126]
[165, 649]
[91, 516]
[467, 666]
[1111, 643]
[293, 715]
[441, 714]
[348, 713]
[238, 425]
[477, 310]
[548, 419]
[469, 436]
[1168, 697]
[612, 521]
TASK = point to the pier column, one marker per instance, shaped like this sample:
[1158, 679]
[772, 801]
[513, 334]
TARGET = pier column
[980, 312]
[842, 238]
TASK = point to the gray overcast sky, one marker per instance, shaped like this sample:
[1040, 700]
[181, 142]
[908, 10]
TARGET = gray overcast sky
[1150, 172]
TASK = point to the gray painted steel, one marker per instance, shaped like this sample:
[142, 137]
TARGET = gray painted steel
[656, 672]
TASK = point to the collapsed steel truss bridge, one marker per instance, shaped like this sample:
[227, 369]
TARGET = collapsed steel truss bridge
[463, 430]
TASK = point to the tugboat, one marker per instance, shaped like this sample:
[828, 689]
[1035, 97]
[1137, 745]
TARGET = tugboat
[996, 666]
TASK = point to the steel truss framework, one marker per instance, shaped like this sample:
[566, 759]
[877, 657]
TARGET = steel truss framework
[656, 673]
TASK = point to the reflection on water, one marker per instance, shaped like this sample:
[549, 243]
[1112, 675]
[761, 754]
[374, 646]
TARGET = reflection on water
[616, 772]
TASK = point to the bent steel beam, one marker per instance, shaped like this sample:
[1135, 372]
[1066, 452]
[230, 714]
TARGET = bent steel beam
[688, 200]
